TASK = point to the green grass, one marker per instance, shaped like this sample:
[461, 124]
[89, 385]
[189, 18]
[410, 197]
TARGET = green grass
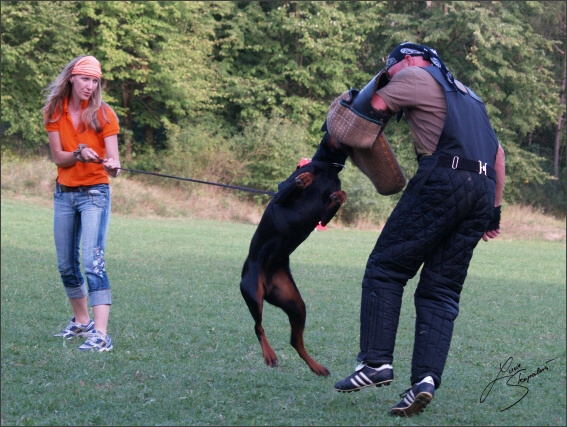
[186, 354]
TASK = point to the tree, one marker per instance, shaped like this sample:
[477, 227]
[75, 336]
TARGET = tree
[489, 47]
[208, 73]
[35, 48]
[550, 23]
[291, 59]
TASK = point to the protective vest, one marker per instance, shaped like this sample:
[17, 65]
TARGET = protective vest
[467, 132]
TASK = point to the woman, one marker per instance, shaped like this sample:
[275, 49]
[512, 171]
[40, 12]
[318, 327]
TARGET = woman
[82, 130]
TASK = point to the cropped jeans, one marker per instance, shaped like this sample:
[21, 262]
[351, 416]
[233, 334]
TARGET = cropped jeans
[83, 215]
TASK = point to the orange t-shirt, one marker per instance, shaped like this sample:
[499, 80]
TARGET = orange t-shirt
[83, 173]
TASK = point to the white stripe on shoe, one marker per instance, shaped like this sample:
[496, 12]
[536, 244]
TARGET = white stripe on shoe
[361, 380]
[366, 376]
[408, 400]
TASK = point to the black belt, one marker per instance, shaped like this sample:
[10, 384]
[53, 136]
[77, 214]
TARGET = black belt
[65, 189]
[467, 165]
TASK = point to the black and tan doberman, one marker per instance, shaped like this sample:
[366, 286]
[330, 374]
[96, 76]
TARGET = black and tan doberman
[310, 195]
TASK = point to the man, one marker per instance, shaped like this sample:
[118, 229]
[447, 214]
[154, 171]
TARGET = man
[448, 206]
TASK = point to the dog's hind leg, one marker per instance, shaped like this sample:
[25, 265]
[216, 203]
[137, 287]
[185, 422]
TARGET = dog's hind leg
[252, 287]
[283, 293]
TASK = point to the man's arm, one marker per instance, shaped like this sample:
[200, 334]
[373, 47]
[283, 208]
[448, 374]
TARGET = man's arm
[378, 104]
[500, 167]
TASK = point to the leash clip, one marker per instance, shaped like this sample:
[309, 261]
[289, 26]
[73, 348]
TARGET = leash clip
[338, 165]
[482, 168]
[455, 162]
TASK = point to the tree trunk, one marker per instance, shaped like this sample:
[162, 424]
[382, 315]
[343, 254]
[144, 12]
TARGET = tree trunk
[127, 123]
[557, 147]
[149, 136]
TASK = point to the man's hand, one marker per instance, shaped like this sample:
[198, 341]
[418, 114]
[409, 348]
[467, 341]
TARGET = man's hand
[490, 234]
[493, 229]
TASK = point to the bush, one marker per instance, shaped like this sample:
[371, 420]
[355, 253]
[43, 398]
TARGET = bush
[270, 150]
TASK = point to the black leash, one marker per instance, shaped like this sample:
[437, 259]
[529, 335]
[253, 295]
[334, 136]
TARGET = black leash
[252, 190]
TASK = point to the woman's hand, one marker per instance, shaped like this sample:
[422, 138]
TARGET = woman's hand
[112, 167]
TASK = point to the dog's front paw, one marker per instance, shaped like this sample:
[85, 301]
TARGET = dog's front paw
[339, 197]
[304, 180]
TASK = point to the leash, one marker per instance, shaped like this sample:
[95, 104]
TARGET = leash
[252, 190]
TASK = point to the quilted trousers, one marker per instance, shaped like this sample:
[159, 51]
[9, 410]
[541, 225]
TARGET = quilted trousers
[435, 226]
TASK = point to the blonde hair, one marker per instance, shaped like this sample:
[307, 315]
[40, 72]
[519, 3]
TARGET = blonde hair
[61, 88]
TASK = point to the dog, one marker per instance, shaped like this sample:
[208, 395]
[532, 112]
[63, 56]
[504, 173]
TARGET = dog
[310, 196]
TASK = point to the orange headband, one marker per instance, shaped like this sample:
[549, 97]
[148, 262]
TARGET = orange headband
[88, 66]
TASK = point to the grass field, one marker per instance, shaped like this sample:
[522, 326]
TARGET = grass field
[186, 354]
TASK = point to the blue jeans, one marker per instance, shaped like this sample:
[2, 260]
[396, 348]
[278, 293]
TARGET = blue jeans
[84, 214]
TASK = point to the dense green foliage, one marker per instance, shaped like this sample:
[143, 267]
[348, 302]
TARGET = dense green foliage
[237, 91]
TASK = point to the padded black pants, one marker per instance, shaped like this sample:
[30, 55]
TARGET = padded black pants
[437, 223]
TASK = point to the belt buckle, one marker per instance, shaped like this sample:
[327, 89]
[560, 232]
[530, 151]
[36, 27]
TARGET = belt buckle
[455, 163]
[481, 168]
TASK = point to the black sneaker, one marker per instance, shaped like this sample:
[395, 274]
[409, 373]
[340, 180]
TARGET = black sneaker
[365, 376]
[415, 400]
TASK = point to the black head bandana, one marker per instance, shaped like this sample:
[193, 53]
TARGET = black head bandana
[412, 49]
